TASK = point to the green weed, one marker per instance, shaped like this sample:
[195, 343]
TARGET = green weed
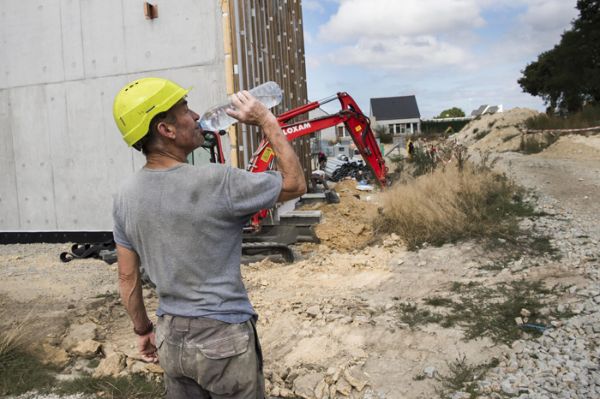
[485, 311]
[463, 376]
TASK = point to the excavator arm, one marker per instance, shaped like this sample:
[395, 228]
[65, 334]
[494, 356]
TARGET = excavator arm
[356, 123]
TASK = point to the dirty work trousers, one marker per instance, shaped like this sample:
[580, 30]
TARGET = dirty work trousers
[205, 358]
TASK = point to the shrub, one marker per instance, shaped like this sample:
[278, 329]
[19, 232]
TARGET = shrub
[386, 138]
[423, 163]
[589, 116]
[534, 143]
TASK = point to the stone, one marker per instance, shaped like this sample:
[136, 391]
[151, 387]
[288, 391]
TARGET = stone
[525, 313]
[430, 371]
[356, 377]
[361, 319]
[153, 368]
[112, 365]
[343, 387]
[304, 385]
[286, 393]
[55, 356]
[322, 390]
[78, 333]
[313, 311]
[332, 375]
[507, 387]
[87, 349]
[518, 321]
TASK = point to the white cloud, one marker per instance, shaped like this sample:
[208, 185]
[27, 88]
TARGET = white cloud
[399, 53]
[543, 16]
[537, 29]
[400, 34]
[392, 18]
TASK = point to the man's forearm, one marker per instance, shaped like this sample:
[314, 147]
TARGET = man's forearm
[294, 183]
[130, 288]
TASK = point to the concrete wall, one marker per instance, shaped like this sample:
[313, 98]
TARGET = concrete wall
[61, 155]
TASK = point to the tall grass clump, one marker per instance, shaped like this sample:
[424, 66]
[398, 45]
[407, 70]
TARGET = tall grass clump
[449, 204]
[20, 370]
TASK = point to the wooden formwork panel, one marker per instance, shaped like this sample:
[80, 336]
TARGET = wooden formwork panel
[267, 43]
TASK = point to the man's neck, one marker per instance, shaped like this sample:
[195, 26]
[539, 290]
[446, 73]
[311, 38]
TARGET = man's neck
[164, 160]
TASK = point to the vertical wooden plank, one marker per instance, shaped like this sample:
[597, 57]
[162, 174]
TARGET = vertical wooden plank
[234, 18]
[228, 46]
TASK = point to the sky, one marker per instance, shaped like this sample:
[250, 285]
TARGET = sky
[448, 53]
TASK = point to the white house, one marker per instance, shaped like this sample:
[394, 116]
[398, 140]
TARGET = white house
[399, 115]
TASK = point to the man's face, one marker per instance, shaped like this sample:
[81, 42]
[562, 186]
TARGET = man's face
[188, 134]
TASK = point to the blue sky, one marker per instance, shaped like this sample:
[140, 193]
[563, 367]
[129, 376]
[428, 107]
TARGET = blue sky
[448, 53]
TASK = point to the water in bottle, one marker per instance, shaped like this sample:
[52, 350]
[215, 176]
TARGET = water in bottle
[216, 118]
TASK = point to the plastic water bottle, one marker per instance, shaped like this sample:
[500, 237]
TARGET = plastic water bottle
[216, 118]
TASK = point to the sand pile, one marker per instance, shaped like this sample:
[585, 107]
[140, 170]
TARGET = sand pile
[574, 146]
[498, 132]
[347, 225]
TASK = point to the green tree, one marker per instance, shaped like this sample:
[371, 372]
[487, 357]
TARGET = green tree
[453, 112]
[568, 76]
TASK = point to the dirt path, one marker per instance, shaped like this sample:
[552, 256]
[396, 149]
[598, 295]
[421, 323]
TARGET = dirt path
[574, 183]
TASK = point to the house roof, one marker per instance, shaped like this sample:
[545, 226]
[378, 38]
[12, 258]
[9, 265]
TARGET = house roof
[486, 109]
[479, 111]
[390, 108]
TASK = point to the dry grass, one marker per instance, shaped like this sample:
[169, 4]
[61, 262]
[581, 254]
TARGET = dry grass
[449, 204]
[20, 370]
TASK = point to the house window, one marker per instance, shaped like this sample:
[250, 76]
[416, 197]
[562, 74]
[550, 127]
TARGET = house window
[340, 131]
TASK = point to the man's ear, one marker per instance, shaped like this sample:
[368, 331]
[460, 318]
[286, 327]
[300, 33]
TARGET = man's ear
[166, 129]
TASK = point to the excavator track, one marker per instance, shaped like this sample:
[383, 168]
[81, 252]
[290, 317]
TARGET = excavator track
[268, 248]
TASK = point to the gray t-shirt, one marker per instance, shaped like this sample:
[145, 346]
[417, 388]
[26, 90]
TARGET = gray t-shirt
[185, 223]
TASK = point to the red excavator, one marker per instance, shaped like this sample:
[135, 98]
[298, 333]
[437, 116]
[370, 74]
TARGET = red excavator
[260, 238]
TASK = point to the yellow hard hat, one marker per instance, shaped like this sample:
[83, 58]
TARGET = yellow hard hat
[140, 101]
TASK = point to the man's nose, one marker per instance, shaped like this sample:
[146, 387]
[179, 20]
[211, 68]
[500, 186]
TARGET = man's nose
[195, 116]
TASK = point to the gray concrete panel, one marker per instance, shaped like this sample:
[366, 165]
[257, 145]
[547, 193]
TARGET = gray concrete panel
[72, 39]
[33, 159]
[31, 42]
[9, 206]
[84, 156]
[103, 39]
[186, 32]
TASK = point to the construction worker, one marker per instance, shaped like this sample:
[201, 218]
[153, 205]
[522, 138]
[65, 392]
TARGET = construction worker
[410, 148]
[183, 225]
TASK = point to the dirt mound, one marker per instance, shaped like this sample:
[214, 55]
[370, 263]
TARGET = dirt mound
[498, 132]
[574, 146]
[347, 225]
